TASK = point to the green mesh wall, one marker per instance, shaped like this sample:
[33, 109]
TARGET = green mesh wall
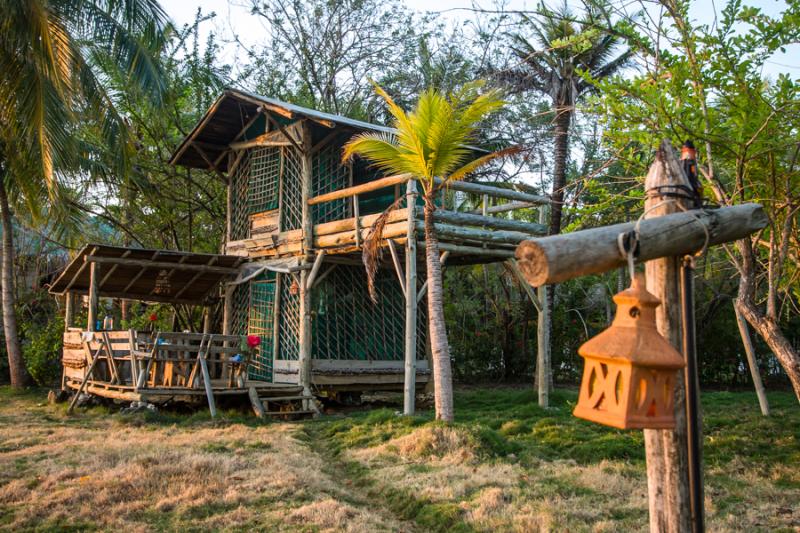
[347, 325]
[240, 223]
[292, 200]
[264, 171]
[289, 328]
[328, 174]
[261, 323]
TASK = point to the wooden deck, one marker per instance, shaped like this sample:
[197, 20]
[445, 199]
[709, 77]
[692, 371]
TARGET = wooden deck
[179, 367]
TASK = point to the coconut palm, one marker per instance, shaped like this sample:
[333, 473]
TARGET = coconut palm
[563, 59]
[428, 143]
[55, 58]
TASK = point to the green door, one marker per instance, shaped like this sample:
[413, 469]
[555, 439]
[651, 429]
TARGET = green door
[261, 323]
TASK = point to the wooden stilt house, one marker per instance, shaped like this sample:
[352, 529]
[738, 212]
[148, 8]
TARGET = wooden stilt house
[297, 219]
[300, 216]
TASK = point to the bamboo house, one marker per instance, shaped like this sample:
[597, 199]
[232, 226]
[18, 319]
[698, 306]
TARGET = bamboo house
[291, 267]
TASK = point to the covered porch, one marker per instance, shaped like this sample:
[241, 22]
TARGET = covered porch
[161, 366]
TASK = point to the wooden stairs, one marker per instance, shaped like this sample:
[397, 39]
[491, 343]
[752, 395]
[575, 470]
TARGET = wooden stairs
[289, 406]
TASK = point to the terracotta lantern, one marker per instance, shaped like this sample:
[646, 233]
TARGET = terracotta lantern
[630, 369]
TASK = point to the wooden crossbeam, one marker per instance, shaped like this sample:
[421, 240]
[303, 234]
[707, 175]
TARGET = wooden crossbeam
[163, 264]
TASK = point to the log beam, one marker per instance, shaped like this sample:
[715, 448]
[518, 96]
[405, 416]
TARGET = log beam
[496, 192]
[160, 264]
[493, 223]
[562, 257]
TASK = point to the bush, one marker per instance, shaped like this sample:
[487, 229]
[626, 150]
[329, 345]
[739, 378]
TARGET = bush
[42, 349]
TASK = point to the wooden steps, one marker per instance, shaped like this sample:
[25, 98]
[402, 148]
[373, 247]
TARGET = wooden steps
[294, 405]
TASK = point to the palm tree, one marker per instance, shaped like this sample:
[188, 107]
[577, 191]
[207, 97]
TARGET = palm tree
[55, 57]
[430, 142]
[562, 61]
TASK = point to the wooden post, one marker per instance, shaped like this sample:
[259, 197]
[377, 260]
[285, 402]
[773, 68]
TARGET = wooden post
[410, 381]
[94, 276]
[305, 355]
[666, 450]
[258, 407]
[543, 366]
[207, 319]
[212, 407]
[227, 308]
[69, 310]
[228, 209]
[750, 353]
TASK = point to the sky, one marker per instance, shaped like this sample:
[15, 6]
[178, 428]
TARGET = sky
[233, 17]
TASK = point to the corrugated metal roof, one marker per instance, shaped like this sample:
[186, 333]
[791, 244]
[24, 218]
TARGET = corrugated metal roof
[231, 112]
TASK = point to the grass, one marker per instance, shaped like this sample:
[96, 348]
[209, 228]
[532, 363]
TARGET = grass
[504, 465]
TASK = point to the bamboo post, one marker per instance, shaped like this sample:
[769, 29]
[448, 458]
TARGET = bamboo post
[356, 221]
[94, 273]
[227, 309]
[207, 319]
[410, 381]
[305, 355]
[258, 407]
[750, 353]
[543, 366]
[212, 408]
[666, 450]
[69, 310]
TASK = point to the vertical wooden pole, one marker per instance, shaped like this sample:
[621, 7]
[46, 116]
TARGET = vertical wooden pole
[276, 320]
[750, 353]
[410, 382]
[543, 371]
[94, 273]
[308, 242]
[207, 319]
[666, 450]
[69, 310]
[229, 206]
[227, 308]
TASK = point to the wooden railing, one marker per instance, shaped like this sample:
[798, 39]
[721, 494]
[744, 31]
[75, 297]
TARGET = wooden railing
[464, 186]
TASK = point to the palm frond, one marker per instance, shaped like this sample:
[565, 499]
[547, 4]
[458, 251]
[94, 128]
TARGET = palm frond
[475, 164]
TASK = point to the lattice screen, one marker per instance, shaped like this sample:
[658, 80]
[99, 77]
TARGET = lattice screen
[348, 325]
[328, 174]
[241, 305]
[261, 321]
[262, 189]
[289, 329]
[240, 222]
[292, 206]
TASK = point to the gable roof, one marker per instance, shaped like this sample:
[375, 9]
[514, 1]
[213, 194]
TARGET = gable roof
[232, 112]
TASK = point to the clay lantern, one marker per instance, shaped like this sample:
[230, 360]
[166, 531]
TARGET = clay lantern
[630, 369]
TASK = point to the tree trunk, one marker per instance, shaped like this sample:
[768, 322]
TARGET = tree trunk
[16, 366]
[442, 373]
[750, 354]
[560, 152]
[765, 326]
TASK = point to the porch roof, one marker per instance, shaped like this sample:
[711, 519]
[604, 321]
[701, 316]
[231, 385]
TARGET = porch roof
[147, 275]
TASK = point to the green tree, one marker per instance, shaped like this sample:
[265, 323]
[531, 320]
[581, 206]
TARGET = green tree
[561, 61]
[53, 59]
[430, 142]
[707, 85]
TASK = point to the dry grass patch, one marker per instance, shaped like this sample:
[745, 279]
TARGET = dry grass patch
[102, 471]
[441, 444]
